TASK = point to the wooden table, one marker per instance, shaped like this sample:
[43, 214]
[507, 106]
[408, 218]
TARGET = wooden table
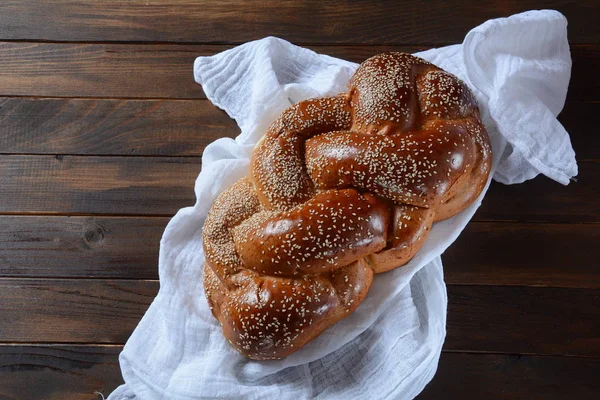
[102, 129]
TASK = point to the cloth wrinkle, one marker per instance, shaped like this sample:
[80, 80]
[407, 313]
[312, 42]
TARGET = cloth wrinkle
[390, 346]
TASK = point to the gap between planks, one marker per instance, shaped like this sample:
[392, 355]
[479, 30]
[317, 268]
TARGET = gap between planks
[120, 345]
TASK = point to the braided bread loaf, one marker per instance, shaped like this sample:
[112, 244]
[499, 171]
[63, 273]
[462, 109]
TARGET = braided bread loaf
[340, 189]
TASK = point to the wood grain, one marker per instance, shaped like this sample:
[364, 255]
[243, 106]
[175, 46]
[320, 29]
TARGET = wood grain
[553, 255]
[544, 200]
[581, 121]
[101, 185]
[72, 310]
[55, 372]
[110, 127]
[170, 128]
[165, 71]
[504, 319]
[98, 70]
[339, 21]
[161, 186]
[87, 84]
[498, 319]
[75, 372]
[501, 377]
[497, 253]
[80, 247]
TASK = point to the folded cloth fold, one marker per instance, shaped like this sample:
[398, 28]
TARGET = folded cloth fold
[518, 68]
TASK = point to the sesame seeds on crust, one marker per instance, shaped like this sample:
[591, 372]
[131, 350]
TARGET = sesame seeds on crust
[278, 169]
[340, 188]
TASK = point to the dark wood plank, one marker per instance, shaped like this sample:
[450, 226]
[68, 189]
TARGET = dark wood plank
[581, 120]
[80, 247]
[76, 372]
[170, 128]
[501, 377]
[542, 199]
[499, 319]
[83, 70]
[504, 319]
[237, 21]
[101, 185]
[165, 71]
[110, 127]
[161, 186]
[480, 318]
[497, 253]
[72, 310]
[585, 58]
[553, 255]
[55, 372]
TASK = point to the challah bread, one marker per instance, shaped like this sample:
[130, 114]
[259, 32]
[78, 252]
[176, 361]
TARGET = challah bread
[340, 189]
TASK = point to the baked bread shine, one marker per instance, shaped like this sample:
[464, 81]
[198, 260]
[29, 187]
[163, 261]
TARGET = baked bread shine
[339, 189]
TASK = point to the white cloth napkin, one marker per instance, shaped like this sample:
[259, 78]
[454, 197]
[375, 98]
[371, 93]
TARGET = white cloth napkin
[519, 69]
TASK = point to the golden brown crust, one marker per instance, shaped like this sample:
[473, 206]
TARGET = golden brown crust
[333, 229]
[267, 317]
[277, 169]
[407, 232]
[340, 188]
[415, 168]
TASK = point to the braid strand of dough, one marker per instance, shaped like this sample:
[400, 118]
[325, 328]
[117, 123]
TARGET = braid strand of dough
[340, 188]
